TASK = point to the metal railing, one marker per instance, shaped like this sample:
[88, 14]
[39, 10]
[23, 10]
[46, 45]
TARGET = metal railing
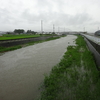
[92, 38]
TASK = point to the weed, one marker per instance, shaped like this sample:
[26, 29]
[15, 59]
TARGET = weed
[75, 77]
[3, 49]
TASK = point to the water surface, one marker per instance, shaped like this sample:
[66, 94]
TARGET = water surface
[22, 71]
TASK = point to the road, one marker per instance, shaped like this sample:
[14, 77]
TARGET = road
[92, 38]
[22, 71]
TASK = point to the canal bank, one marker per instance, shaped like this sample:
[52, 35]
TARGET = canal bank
[22, 71]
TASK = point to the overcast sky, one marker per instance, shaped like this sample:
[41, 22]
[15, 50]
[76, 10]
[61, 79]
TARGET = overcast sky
[74, 15]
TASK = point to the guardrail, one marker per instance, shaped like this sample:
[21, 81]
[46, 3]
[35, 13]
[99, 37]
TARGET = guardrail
[94, 48]
[92, 38]
[95, 41]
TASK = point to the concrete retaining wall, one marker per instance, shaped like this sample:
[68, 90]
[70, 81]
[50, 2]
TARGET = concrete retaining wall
[9, 43]
[95, 45]
[96, 54]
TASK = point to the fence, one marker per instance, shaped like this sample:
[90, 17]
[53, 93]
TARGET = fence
[95, 49]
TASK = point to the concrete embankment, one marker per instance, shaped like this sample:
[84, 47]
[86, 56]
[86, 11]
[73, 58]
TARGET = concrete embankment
[95, 45]
[95, 49]
[9, 43]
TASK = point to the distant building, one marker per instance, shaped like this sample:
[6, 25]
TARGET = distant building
[97, 33]
[10, 33]
[1, 33]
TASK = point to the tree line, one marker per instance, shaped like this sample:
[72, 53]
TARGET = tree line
[20, 31]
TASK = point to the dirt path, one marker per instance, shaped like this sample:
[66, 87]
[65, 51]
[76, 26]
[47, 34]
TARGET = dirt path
[22, 71]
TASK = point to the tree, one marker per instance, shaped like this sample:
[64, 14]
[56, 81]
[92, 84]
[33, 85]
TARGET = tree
[53, 32]
[28, 31]
[19, 31]
[31, 32]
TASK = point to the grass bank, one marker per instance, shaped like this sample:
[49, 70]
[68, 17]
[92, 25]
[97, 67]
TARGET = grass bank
[21, 36]
[4, 49]
[75, 77]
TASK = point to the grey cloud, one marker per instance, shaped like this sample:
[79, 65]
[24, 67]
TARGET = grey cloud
[21, 14]
[5, 16]
[57, 18]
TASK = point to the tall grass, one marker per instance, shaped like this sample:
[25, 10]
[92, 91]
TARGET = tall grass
[75, 77]
[4, 49]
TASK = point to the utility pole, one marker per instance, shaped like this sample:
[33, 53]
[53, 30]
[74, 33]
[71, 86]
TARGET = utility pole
[41, 26]
[64, 29]
[58, 29]
[98, 28]
[84, 29]
[53, 28]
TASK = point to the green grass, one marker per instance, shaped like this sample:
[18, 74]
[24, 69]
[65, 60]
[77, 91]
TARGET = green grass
[4, 49]
[21, 36]
[10, 37]
[75, 77]
[52, 38]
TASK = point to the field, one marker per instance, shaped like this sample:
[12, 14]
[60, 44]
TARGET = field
[10, 37]
[75, 77]
[4, 49]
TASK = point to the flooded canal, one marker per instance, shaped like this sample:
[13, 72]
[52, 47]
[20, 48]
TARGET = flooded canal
[22, 71]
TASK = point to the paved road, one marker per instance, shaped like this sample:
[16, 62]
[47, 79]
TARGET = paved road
[93, 38]
[22, 71]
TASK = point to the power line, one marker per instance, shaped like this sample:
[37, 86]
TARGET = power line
[98, 28]
[64, 29]
[42, 26]
[53, 28]
[84, 29]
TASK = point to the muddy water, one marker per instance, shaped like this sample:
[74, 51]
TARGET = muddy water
[22, 71]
